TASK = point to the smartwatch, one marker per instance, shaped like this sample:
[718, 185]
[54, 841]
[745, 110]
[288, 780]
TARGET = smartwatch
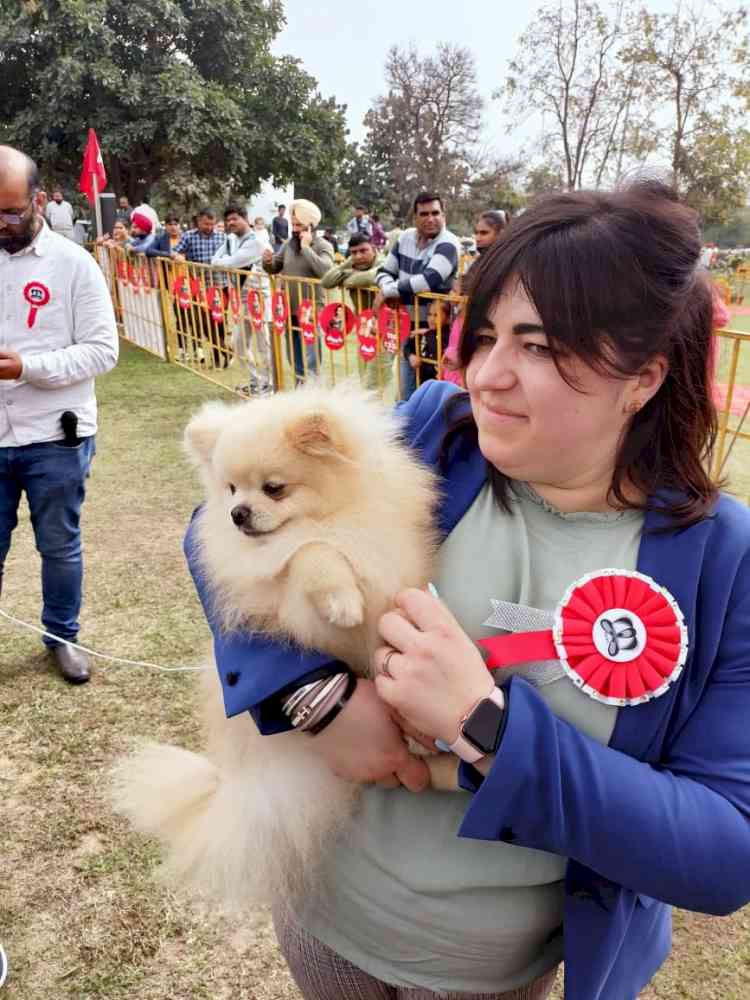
[480, 729]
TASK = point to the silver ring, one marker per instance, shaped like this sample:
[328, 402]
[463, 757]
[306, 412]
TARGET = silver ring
[386, 660]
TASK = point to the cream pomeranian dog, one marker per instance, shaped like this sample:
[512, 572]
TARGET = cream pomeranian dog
[316, 515]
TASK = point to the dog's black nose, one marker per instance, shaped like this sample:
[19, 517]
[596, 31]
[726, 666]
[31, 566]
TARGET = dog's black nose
[241, 514]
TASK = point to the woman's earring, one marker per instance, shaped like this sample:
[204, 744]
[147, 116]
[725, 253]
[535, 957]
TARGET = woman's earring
[633, 406]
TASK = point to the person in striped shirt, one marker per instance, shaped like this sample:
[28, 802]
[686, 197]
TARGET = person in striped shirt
[423, 259]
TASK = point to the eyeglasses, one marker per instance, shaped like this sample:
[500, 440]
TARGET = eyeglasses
[13, 218]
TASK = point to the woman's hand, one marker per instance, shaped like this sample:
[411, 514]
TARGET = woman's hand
[437, 674]
[364, 744]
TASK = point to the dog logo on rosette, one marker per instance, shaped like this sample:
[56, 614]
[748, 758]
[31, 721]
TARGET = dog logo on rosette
[621, 635]
[37, 295]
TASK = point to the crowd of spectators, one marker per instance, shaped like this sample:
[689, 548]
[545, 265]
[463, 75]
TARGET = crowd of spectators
[364, 270]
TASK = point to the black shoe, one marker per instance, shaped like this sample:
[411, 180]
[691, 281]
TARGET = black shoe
[73, 664]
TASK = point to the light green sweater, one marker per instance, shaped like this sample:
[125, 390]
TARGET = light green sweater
[407, 900]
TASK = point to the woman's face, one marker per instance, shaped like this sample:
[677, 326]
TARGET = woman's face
[484, 234]
[119, 232]
[533, 426]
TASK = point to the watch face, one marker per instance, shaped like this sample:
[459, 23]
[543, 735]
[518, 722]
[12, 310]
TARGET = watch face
[483, 726]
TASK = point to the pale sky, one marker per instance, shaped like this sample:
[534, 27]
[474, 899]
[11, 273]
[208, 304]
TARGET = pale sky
[344, 44]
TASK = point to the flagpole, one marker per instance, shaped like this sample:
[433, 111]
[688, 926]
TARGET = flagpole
[97, 206]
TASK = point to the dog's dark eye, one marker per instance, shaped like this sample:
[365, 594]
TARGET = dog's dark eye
[232, 488]
[274, 490]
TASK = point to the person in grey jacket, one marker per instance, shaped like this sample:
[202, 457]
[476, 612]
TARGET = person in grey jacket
[304, 255]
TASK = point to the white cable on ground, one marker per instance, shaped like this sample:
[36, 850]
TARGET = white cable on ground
[101, 656]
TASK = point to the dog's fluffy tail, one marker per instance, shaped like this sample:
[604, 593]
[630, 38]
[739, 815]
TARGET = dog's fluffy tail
[242, 835]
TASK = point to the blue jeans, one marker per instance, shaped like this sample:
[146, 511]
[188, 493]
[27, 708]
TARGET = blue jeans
[310, 355]
[408, 378]
[53, 478]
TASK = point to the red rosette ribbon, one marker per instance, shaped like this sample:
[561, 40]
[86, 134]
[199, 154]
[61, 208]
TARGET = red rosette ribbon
[122, 270]
[235, 303]
[336, 321]
[279, 312]
[215, 301]
[181, 291]
[37, 295]
[306, 320]
[367, 335]
[145, 275]
[394, 326]
[134, 278]
[255, 309]
[620, 637]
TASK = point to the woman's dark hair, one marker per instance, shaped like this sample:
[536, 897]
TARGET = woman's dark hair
[171, 217]
[615, 280]
[495, 220]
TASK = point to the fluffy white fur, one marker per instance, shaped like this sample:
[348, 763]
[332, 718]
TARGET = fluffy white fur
[321, 563]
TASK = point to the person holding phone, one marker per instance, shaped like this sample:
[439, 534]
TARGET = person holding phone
[305, 255]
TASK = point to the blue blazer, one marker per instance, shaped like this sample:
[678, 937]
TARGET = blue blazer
[658, 818]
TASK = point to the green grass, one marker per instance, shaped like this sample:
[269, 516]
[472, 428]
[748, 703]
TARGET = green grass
[81, 913]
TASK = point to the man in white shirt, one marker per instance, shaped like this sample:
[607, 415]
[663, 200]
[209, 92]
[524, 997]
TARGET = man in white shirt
[60, 214]
[243, 249]
[57, 333]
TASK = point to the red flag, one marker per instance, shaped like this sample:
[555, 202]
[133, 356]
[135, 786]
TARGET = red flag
[93, 166]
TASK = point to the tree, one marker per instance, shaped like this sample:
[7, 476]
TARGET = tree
[543, 179]
[423, 132]
[735, 232]
[688, 63]
[175, 88]
[567, 68]
[364, 180]
[493, 184]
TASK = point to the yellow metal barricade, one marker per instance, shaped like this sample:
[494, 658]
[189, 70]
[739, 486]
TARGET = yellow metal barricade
[732, 396]
[249, 331]
[133, 281]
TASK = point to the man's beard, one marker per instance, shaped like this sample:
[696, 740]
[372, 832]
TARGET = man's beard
[296, 244]
[13, 242]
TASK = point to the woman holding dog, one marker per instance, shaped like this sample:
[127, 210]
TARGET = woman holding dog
[604, 764]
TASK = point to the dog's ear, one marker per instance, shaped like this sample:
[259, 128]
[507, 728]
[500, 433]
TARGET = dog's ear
[203, 430]
[316, 435]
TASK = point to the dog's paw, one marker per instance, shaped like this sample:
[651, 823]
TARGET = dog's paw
[344, 608]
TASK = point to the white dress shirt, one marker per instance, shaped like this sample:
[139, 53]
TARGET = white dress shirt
[242, 252]
[64, 342]
[60, 217]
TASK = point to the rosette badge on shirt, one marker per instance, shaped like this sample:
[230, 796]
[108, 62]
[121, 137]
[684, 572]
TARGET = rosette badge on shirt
[37, 295]
[618, 635]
